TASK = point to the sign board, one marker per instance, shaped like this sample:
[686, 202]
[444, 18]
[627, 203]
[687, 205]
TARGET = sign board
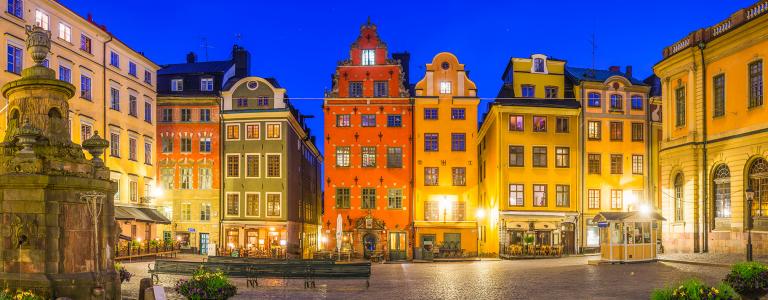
[191, 229]
[602, 224]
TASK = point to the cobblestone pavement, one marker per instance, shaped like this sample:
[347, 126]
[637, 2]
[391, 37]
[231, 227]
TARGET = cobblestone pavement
[564, 278]
[711, 258]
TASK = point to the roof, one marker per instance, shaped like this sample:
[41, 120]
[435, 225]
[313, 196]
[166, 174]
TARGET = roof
[655, 83]
[538, 102]
[142, 214]
[620, 216]
[198, 67]
[587, 74]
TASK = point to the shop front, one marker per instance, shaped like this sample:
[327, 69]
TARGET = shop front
[437, 240]
[536, 237]
[266, 241]
[628, 236]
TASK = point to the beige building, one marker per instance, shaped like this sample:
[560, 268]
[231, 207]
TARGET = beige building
[115, 96]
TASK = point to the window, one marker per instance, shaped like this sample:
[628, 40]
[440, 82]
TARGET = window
[252, 165]
[680, 107]
[380, 88]
[528, 91]
[274, 204]
[679, 197]
[114, 99]
[593, 130]
[594, 100]
[594, 164]
[617, 199]
[394, 121]
[539, 195]
[430, 114]
[114, 145]
[273, 165]
[722, 188]
[756, 84]
[132, 149]
[133, 107]
[516, 123]
[205, 182]
[539, 156]
[167, 115]
[242, 102]
[205, 145]
[42, 20]
[206, 84]
[342, 197]
[133, 190]
[562, 195]
[718, 90]
[252, 204]
[205, 115]
[16, 8]
[458, 142]
[186, 144]
[516, 156]
[233, 165]
[166, 178]
[85, 87]
[15, 59]
[273, 131]
[177, 85]
[252, 131]
[369, 198]
[86, 43]
[368, 154]
[368, 120]
[233, 204]
[593, 198]
[86, 131]
[617, 164]
[459, 176]
[445, 87]
[114, 60]
[394, 157]
[516, 195]
[369, 57]
[561, 125]
[636, 102]
[356, 89]
[147, 77]
[342, 156]
[167, 144]
[147, 111]
[617, 102]
[262, 101]
[132, 69]
[233, 132]
[637, 164]
[562, 157]
[431, 142]
[538, 65]
[65, 74]
[395, 197]
[185, 177]
[637, 132]
[431, 176]
[458, 114]
[205, 212]
[617, 131]
[550, 92]
[539, 124]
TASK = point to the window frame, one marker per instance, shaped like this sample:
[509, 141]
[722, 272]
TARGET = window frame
[519, 120]
[520, 156]
[534, 155]
[258, 165]
[280, 165]
[257, 131]
[268, 132]
[566, 155]
[258, 204]
[520, 197]
[718, 95]
[227, 207]
[227, 166]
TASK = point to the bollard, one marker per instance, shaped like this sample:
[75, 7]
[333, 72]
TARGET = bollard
[144, 284]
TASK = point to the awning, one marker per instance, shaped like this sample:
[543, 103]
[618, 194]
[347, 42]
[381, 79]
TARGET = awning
[141, 214]
[629, 216]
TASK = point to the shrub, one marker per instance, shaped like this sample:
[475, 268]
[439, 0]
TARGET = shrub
[206, 285]
[748, 278]
[19, 295]
[694, 289]
[123, 272]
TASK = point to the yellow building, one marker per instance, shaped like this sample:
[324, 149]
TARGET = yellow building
[115, 96]
[529, 168]
[445, 180]
[715, 135]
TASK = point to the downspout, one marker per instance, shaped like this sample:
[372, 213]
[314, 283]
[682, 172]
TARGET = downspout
[583, 148]
[705, 189]
[104, 91]
[411, 201]
[222, 200]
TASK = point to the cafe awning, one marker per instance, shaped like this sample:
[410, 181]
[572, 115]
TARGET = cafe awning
[141, 214]
[627, 216]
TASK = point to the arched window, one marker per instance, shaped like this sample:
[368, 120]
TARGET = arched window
[538, 65]
[594, 100]
[758, 182]
[679, 197]
[721, 184]
[617, 102]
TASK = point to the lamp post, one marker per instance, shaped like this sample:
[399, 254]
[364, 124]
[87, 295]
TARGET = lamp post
[750, 194]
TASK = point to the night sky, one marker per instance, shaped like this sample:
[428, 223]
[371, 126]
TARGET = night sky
[299, 43]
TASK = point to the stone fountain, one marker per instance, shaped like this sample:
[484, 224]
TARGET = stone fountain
[57, 224]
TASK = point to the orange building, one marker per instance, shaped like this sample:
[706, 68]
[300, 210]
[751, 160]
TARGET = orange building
[368, 125]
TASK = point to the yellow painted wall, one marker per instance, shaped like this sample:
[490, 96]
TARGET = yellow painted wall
[523, 75]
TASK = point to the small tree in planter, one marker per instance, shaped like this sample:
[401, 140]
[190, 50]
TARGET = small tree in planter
[694, 289]
[206, 285]
[749, 279]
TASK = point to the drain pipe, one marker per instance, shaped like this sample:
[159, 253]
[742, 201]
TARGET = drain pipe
[104, 133]
[705, 189]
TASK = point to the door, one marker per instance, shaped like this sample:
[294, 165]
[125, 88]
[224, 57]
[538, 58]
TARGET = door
[569, 238]
[204, 243]
[397, 244]
[369, 245]
[428, 246]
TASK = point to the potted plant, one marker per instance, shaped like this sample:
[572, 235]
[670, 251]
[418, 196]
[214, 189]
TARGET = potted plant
[206, 285]
[694, 289]
[19, 295]
[123, 272]
[749, 279]
[528, 241]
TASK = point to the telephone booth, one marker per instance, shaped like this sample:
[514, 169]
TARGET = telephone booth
[628, 236]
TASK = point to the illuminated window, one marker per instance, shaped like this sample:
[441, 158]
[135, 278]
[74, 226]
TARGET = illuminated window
[459, 175]
[431, 176]
[368, 154]
[252, 204]
[617, 164]
[252, 165]
[756, 84]
[637, 164]
[252, 131]
[273, 165]
[445, 87]
[539, 195]
[594, 163]
[617, 199]
[369, 57]
[539, 124]
[274, 204]
[65, 32]
[41, 19]
[562, 195]
[395, 198]
[273, 130]
[593, 130]
[516, 195]
[594, 198]
[233, 165]
[342, 156]
[233, 204]
[562, 157]
[516, 123]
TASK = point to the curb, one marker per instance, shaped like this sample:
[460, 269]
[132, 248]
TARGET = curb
[698, 263]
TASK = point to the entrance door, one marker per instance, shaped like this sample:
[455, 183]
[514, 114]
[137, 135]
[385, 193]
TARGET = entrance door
[204, 243]
[369, 245]
[397, 244]
[569, 239]
[428, 246]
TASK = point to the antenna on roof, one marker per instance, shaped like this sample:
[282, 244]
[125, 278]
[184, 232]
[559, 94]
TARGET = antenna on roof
[205, 47]
[238, 38]
[593, 43]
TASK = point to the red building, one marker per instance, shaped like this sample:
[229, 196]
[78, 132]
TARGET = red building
[368, 148]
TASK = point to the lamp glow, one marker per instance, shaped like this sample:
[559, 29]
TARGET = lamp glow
[480, 214]
[645, 209]
[283, 243]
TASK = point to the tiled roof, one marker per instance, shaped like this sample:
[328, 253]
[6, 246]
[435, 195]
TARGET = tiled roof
[655, 84]
[585, 74]
[198, 67]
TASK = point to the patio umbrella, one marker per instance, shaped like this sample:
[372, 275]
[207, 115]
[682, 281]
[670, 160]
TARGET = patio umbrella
[339, 229]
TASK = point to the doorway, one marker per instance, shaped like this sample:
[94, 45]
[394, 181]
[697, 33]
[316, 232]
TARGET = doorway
[427, 246]
[204, 243]
[397, 244]
[369, 245]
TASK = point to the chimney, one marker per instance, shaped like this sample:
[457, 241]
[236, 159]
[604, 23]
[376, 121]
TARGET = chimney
[614, 69]
[629, 71]
[242, 60]
[191, 57]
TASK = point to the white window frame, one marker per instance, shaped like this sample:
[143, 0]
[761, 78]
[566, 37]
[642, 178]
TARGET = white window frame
[258, 195]
[266, 203]
[226, 204]
[368, 57]
[258, 125]
[65, 32]
[204, 85]
[226, 138]
[42, 19]
[266, 131]
[226, 165]
[181, 211]
[258, 157]
[85, 123]
[445, 87]
[177, 85]
[266, 164]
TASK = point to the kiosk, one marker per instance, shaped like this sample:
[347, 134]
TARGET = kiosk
[628, 236]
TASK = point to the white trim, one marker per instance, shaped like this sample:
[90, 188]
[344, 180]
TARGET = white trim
[266, 204]
[266, 164]
[258, 170]
[258, 204]
[258, 128]
[266, 130]
[226, 137]
[226, 204]
[226, 165]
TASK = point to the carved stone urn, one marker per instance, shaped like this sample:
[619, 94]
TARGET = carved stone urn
[38, 43]
[95, 145]
[27, 136]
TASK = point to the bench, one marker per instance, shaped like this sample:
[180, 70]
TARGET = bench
[254, 260]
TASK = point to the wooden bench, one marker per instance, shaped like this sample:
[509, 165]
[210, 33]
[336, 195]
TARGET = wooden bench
[254, 260]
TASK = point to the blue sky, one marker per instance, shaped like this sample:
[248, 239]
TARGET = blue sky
[300, 42]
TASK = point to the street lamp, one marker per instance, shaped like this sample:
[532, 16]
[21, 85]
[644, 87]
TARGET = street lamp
[750, 194]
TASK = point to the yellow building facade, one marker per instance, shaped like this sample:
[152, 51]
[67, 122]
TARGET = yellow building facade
[445, 208]
[714, 146]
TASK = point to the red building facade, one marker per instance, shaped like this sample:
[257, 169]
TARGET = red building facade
[368, 147]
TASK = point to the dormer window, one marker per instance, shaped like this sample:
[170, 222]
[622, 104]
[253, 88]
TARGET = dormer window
[538, 65]
[369, 57]
[206, 84]
[445, 87]
[177, 85]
